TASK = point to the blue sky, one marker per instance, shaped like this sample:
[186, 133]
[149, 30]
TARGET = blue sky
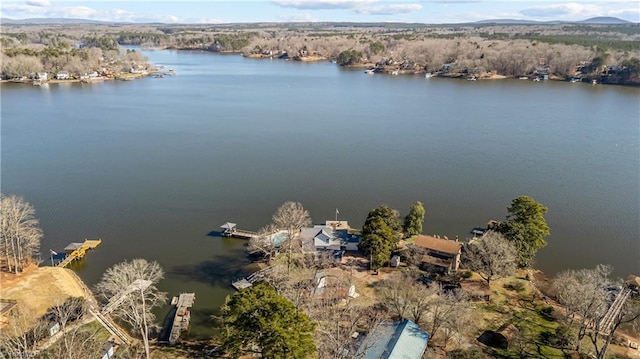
[422, 11]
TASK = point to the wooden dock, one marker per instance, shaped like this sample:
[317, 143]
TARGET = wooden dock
[230, 230]
[182, 317]
[78, 250]
[254, 277]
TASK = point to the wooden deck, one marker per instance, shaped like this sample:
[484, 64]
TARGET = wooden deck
[80, 252]
[182, 317]
[254, 277]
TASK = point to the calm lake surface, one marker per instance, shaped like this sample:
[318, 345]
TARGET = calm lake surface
[152, 166]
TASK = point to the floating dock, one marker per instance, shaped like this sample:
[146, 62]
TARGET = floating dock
[78, 250]
[183, 316]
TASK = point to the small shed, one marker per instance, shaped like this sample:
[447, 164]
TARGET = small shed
[53, 328]
[228, 229]
[107, 350]
[319, 283]
[395, 261]
[505, 335]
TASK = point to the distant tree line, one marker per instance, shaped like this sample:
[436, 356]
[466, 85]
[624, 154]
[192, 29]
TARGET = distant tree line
[511, 50]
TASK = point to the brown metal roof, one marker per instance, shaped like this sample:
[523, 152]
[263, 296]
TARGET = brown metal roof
[437, 244]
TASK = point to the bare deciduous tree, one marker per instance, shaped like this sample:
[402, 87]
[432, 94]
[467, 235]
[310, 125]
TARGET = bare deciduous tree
[336, 324]
[263, 245]
[20, 337]
[492, 257]
[588, 295]
[20, 233]
[582, 292]
[78, 341]
[135, 284]
[291, 216]
[431, 307]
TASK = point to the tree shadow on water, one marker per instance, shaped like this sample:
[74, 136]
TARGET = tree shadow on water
[218, 271]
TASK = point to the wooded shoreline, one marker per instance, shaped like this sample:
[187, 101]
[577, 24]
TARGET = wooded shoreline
[608, 54]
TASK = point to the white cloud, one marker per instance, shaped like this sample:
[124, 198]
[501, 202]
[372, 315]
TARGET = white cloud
[297, 17]
[45, 9]
[322, 4]
[75, 12]
[20, 9]
[391, 9]
[40, 3]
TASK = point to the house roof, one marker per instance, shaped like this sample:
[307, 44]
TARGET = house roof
[397, 340]
[437, 244]
[321, 237]
[324, 236]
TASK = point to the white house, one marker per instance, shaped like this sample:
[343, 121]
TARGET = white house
[62, 75]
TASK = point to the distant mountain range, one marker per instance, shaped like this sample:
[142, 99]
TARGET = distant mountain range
[600, 20]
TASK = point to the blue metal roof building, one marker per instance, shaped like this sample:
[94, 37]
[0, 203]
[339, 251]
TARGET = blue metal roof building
[397, 340]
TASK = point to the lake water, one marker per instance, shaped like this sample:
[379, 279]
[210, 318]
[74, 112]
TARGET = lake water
[152, 166]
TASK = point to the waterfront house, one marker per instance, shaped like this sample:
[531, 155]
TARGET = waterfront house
[42, 76]
[62, 75]
[440, 255]
[331, 236]
[396, 340]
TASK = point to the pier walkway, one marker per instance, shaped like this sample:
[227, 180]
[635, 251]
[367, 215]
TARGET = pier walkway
[78, 250]
[182, 317]
[254, 277]
[604, 327]
[103, 319]
[230, 230]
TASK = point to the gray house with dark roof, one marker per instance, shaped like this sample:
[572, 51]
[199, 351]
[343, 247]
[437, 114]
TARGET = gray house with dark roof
[327, 237]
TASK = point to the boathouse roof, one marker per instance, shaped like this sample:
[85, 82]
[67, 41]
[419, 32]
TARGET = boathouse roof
[73, 246]
[228, 225]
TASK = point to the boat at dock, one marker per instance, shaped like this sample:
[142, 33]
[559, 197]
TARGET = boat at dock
[180, 318]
